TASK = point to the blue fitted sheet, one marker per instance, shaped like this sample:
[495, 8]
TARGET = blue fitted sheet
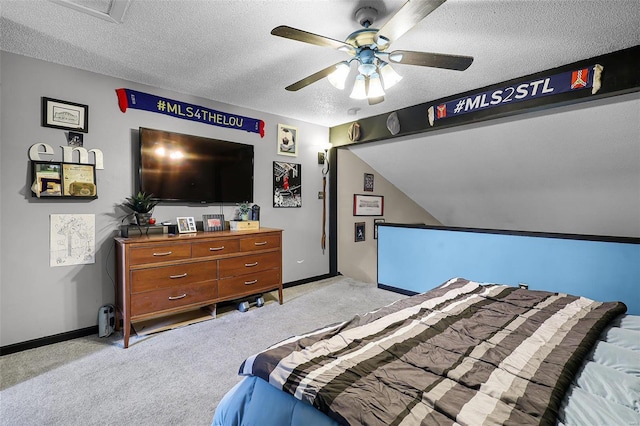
[607, 389]
[254, 402]
[605, 392]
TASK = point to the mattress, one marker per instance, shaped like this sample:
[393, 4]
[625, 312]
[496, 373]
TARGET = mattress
[605, 391]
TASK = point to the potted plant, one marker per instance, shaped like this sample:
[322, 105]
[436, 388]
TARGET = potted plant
[243, 210]
[141, 205]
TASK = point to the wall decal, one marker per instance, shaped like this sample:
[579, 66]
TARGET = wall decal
[128, 98]
[583, 78]
[35, 151]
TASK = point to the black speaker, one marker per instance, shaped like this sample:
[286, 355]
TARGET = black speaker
[129, 231]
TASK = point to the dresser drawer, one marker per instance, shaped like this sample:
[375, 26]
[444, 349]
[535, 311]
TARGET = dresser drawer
[172, 276]
[263, 242]
[174, 297]
[248, 264]
[159, 253]
[249, 284]
[216, 247]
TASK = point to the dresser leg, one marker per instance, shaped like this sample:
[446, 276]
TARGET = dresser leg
[280, 294]
[126, 330]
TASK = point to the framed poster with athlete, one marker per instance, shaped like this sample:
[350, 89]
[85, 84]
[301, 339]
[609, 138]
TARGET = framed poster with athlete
[287, 184]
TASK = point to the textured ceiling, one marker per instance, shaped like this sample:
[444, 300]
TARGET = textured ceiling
[559, 171]
[223, 50]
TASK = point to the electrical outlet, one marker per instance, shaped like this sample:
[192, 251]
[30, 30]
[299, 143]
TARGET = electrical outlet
[320, 195]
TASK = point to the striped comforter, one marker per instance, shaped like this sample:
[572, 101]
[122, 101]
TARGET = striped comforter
[462, 353]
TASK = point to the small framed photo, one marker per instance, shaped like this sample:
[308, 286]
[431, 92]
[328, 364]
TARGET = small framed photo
[186, 225]
[368, 182]
[65, 115]
[75, 139]
[368, 205]
[376, 222]
[213, 222]
[359, 232]
[287, 140]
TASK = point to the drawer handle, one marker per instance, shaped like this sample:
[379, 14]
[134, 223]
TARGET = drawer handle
[216, 248]
[178, 297]
[260, 244]
[167, 253]
[178, 276]
[250, 282]
[249, 265]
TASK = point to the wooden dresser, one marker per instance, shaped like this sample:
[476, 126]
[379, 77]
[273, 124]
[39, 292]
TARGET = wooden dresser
[159, 275]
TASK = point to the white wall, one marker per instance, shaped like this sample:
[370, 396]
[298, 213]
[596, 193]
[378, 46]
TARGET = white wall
[37, 300]
[572, 169]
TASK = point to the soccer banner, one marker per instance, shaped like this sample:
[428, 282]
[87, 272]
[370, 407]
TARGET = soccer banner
[560, 83]
[128, 98]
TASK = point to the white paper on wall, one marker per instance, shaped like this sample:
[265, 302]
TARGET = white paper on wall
[72, 239]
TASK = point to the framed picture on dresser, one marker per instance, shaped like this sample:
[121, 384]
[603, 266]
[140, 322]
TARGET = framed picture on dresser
[186, 225]
[212, 222]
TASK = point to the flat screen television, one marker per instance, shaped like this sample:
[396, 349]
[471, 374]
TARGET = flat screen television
[193, 169]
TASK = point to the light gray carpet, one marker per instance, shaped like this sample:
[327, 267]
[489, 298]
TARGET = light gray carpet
[175, 377]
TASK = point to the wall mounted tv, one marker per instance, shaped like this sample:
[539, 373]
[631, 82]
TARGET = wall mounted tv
[194, 169]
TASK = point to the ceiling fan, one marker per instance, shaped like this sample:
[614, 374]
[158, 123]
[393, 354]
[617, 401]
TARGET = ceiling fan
[368, 46]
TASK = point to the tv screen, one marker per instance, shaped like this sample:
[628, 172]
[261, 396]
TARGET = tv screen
[185, 168]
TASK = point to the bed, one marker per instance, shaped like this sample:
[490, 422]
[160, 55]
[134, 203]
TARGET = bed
[462, 353]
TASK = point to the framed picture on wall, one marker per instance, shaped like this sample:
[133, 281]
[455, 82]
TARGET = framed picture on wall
[287, 184]
[359, 232]
[368, 182]
[65, 115]
[287, 140]
[368, 205]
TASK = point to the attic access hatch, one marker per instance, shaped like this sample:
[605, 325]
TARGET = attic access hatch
[109, 10]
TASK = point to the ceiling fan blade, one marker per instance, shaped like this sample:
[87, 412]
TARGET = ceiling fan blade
[412, 12]
[311, 79]
[307, 37]
[374, 101]
[436, 60]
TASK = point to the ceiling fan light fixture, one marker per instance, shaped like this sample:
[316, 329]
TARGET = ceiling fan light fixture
[389, 76]
[367, 69]
[359, 88]
[375, 86]
[338, 78]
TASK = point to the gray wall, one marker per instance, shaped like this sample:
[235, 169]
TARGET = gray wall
[37, 300]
